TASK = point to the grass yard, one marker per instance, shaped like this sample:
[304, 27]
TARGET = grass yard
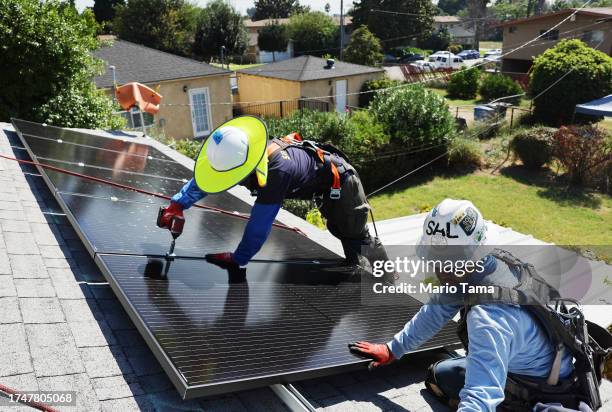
[524, 103]
[489, 45]
[512, 200]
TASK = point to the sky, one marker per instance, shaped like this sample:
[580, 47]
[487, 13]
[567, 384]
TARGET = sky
[242, 5]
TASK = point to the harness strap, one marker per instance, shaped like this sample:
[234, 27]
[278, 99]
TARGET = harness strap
[295, 139]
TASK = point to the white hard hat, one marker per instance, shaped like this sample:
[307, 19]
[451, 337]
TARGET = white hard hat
[228, 149]
[453, 227]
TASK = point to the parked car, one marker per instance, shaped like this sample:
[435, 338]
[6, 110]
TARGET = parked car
[389, 58]
[446, 60]
[410, 57]
[469, 54]
[422, 66]
[493, 53]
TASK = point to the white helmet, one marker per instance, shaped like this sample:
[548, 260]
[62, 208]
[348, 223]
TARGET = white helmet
[228, 150]
[452, 228]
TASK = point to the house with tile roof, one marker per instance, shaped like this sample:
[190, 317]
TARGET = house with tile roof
[191, 90]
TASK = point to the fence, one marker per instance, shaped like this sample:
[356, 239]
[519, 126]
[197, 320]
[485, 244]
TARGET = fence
[281, 108]
[414, 74]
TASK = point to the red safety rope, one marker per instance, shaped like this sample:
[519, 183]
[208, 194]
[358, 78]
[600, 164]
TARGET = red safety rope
[142, 191]
[36, 405]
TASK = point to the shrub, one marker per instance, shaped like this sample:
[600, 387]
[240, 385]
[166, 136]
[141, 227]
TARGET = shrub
[464, 153]
[583, 74]
[464, 84]
[413, 115]
[495, 86]
[582, 151]
[367, 136]
[313, 125]
[369, 89]
[455, 48]
[533, 146]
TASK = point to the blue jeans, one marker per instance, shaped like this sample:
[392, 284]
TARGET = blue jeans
[446, 378]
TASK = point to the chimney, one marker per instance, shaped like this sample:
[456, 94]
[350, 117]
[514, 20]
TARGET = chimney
[330, 64]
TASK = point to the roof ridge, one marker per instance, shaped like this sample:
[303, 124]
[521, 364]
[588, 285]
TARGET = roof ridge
[142, 46]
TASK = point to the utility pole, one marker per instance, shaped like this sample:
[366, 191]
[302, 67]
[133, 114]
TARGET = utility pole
[341, 28]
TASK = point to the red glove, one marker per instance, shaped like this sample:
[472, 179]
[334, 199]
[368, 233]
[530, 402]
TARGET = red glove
[378, 352]
[174, 209]
[224, 260]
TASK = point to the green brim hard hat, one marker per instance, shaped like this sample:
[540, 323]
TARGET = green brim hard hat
[210, 180]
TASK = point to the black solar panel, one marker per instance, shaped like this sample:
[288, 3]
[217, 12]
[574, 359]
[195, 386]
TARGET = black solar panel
[212, 332]
[280, 323]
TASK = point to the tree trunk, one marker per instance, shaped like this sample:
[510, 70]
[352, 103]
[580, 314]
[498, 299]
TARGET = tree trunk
[477, 9]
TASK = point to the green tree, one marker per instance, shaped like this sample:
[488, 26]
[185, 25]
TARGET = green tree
[219, 25]
[436, 41]
[364, 48]
[313, 33]
[273, 38]
[395, 29]
[166, 25]
[104, 10]
[451, 7]
[566, 75]
[276, 9]
[509, 10]
[46, 66]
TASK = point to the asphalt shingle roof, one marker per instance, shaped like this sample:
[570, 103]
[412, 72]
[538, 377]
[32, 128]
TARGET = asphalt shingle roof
[136, 63]
[306, 68]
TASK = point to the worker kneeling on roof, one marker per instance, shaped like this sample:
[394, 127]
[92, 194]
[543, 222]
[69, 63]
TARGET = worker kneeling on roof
[522, 354]
[238, 152]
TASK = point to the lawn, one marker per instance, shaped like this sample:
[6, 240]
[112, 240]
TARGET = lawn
[489, 45]
[470, 102]
[511, 199]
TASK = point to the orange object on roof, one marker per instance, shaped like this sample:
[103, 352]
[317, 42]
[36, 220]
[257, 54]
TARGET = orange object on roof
[136, 94]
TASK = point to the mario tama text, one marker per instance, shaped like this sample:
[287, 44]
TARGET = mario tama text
[432, 288]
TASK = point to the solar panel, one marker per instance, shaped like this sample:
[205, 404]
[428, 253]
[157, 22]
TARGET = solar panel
[212, 331]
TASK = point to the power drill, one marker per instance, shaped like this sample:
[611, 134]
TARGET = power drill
[175, 227]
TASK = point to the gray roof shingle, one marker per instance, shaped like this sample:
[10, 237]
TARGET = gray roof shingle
[137, 63]
[306, 68]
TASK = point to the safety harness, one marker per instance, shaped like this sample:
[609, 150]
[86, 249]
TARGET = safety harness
[567, 329]
[330, 159]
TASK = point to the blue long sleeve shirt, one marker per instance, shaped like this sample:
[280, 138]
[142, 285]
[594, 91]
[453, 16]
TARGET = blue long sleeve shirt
[292, 173]
[502, 338]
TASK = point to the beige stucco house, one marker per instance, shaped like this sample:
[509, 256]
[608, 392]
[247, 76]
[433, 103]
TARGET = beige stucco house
[196, 96]
[304, 81]
[458, 30]
[588, 24]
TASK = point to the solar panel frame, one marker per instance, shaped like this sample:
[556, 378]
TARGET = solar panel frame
[176, 376]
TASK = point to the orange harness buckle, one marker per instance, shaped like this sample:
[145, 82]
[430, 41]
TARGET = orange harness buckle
[336, 190]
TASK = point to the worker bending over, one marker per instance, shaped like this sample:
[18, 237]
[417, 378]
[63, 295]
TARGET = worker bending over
[518, 354]
[238, 152]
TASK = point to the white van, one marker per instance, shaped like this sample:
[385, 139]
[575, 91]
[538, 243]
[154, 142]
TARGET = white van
[445, 60]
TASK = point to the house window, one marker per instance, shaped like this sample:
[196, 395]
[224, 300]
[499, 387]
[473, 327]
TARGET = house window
[551, 35]
[133, 119]
[512, 29]
[200, 111]
[593, 37]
